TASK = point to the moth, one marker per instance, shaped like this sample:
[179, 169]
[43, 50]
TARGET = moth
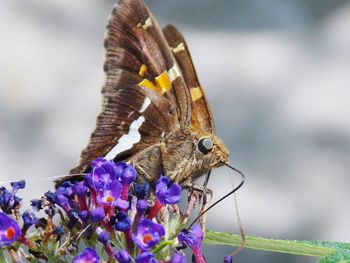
[155, 114]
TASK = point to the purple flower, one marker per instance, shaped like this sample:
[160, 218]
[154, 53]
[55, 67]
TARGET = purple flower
[111, 196]
[178, 258]
[88, 255]
[148, 234]
[62, 201]
[110, 193]
[122, 256]
[79, 188]
[146, 257]
[98, 162]
[9, 230]
[66, 189]
[103, 237]
[18, 185]
[29, 219]
[119, 168]
[228, 259]
[103, 169]
[83, 215]
[102, 174]
[97, 214]
[50, 196]
[191, 238]
[122, 221]
[8, 200]
[167, 192]
[36, 204]
[141, 206]
[128, 175]
[141, 190]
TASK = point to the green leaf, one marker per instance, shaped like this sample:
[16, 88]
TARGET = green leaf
[342, 254]
[306, 248]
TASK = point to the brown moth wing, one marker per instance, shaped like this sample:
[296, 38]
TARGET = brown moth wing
[201, 119]
[133, 119]
[135, 40]
[137, 55]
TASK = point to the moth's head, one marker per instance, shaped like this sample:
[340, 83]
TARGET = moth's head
[213, 151]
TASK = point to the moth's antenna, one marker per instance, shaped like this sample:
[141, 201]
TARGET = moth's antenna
[41, 179]
[240, 226]
[225, 196]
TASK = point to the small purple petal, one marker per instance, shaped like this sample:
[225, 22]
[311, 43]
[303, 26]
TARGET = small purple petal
[167, 192]
[18, 185]
[50, 196]
[88, 255]
[164, 179]
[141, 190]
[97, 214]
[228, 259]
[36, 204]
[79, 188]
[192, 238]
[83, 215]
[62, 201]
[29, 219]
[98, 162]
[122, 221]
[103, 237]
[119, 168]
[122, 204]
[146, 257]
[122, 256]
[141, 206]
[128, 175]
[178, 258]
[92, 181]
[109, 168]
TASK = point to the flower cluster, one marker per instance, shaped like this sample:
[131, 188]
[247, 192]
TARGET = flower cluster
[112, 209]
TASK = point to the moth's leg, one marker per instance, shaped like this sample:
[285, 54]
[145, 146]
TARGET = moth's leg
[206, 199]
[193, 197]
[206, 196]
[196, 192]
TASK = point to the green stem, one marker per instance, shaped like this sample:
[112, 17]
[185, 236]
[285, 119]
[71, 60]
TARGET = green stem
[2, 256]
[161, 246]
[282, 246]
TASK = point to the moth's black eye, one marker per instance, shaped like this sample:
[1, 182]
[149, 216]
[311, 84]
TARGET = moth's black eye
[205, 145]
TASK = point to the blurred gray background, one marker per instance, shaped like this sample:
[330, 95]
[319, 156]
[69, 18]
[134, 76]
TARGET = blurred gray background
[276, 74]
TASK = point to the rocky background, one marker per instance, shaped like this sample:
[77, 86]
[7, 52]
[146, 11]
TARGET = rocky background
[276, 74]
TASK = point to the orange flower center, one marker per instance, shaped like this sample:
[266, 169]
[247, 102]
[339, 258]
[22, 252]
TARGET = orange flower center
[109, 198]
[10, 233]
[147, 238]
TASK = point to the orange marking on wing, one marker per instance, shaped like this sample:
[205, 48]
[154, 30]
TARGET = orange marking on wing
[196, 93]
[143, 70]
[163, 81]
[148, 84]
